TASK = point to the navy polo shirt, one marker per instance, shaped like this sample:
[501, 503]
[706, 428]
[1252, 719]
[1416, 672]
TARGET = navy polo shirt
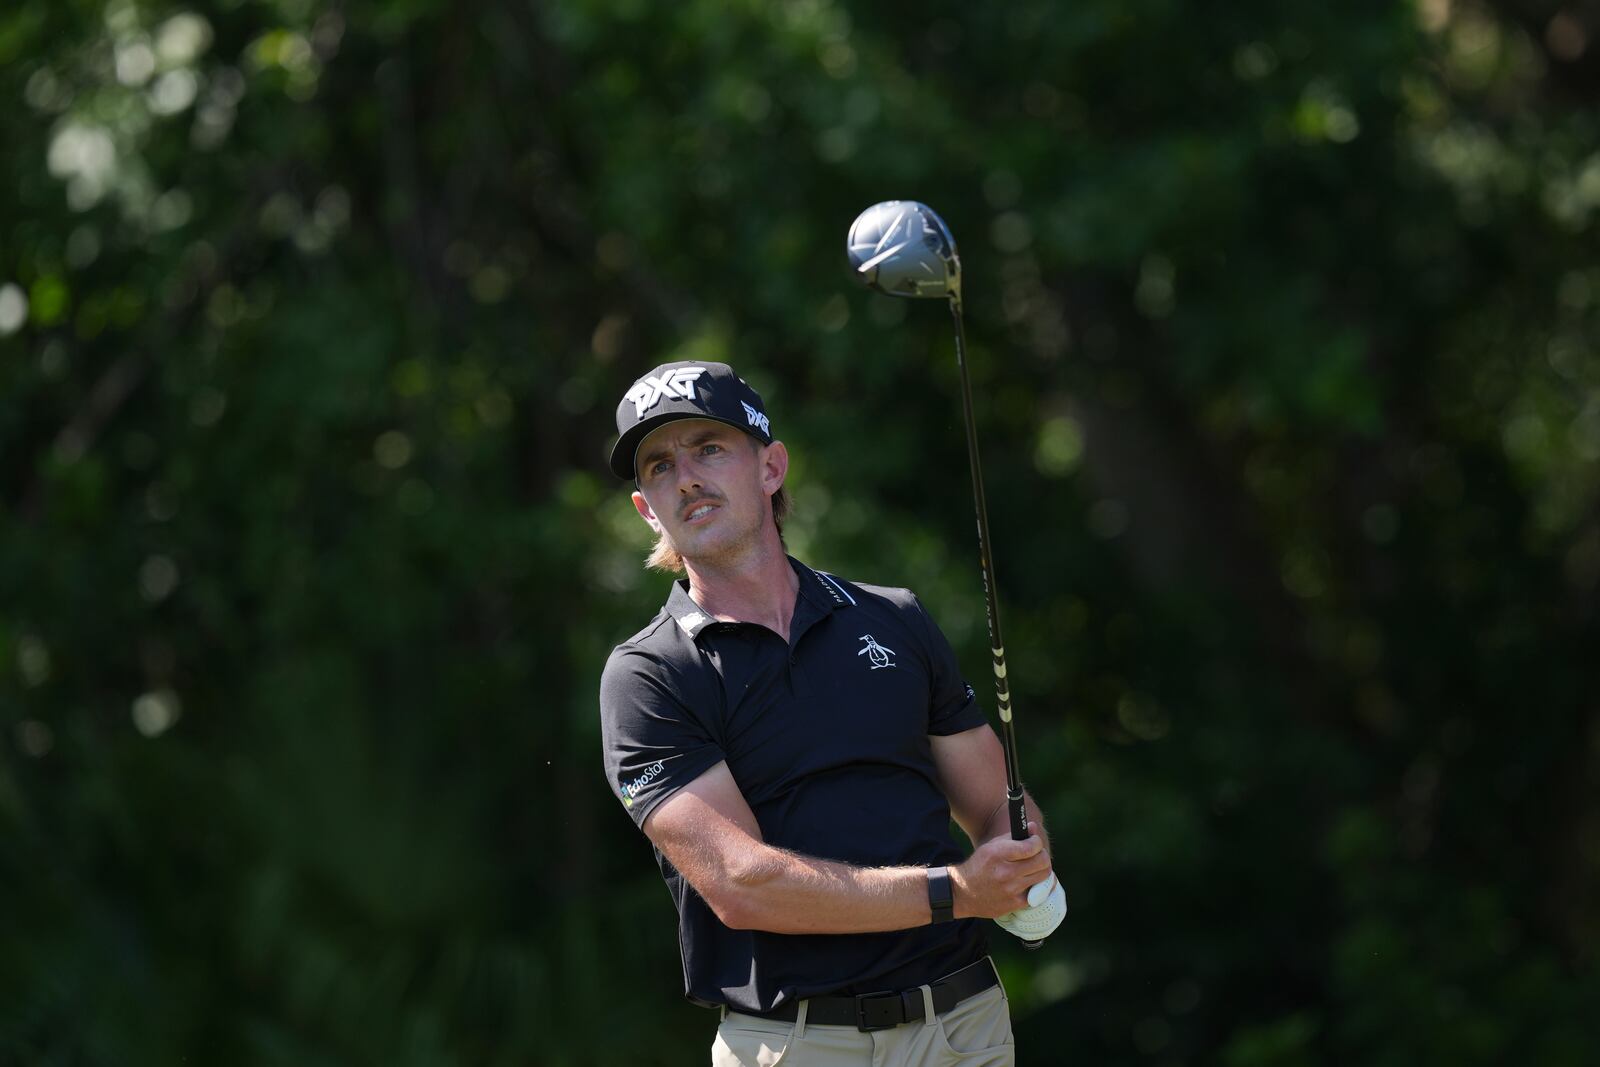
[827, 737]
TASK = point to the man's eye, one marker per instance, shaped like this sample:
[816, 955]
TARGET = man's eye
[659, 467]
[708, 449]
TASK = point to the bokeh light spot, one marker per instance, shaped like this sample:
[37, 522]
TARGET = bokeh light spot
[158, 577]
[33, 661]
[1059, 448]
[392, 449]
[156, 712]
[13, 308]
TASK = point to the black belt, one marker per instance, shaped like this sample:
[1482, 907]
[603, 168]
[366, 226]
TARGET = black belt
[884, 1011]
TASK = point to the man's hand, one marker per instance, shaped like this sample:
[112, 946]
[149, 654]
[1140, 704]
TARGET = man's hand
[1047, 906]
[995, 880]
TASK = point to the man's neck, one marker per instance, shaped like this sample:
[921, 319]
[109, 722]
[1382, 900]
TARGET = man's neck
[759, 588]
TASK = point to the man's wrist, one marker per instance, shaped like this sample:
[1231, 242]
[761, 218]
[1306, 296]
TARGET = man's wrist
[941, 895]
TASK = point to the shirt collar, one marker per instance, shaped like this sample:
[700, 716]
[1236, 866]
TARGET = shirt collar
[689, 616]
[821, 589]
[822, 592]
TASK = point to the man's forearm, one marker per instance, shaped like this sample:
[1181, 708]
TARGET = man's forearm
[788, 893]
[709, 834]
[784, 892]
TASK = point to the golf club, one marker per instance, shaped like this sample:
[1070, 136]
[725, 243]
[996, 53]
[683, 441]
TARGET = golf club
[903, 248]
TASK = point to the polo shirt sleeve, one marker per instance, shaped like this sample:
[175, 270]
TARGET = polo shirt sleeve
[954, 705]
[655, 728]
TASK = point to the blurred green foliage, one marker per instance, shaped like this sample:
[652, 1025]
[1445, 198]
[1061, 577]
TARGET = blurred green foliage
[312, 316]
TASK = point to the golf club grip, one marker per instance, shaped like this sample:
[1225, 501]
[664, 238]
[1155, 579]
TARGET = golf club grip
[1018, 809]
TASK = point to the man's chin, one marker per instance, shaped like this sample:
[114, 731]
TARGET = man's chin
[706, 546]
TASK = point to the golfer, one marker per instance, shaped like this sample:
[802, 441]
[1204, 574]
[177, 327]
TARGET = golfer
[794, 745]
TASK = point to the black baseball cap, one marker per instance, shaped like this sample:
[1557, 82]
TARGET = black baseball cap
[689, 389]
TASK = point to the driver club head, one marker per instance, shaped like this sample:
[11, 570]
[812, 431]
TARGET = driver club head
[903, 248]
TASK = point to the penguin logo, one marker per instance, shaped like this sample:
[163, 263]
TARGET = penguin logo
[880, 656]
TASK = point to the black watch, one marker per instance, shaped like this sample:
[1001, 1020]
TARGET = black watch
[941, 898]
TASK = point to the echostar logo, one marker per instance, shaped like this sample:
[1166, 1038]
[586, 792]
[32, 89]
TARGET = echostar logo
[880, 656]
[629, 790]
[648, 391]
[756, 418]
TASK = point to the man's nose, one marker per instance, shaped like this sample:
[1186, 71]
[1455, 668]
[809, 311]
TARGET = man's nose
[688, 474]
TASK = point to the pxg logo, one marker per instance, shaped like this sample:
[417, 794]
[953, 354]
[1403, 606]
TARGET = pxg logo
[648, 391]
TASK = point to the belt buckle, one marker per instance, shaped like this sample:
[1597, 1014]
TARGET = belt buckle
[879, 1011]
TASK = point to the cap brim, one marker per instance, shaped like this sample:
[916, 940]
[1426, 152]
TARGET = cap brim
[626, 450]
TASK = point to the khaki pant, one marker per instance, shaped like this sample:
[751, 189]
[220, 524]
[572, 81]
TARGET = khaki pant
[974, 1033]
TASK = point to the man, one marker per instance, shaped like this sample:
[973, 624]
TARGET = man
[794, 745]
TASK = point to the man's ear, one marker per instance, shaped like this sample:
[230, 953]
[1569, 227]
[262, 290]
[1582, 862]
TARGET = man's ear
[642, 506]
[774, 467]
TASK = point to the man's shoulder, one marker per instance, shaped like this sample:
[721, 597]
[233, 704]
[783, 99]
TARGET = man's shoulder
[649, 635]
[659, 659]
[893, 596]
[659, 643]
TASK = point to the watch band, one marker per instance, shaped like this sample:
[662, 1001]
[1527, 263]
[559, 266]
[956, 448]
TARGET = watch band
[941, 897]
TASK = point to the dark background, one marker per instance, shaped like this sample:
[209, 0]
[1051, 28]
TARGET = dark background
[1283, 322]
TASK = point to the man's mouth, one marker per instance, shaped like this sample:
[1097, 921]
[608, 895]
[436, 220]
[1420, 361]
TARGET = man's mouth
[699, 511]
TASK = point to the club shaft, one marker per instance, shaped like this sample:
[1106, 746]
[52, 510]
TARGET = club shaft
[1015, 804]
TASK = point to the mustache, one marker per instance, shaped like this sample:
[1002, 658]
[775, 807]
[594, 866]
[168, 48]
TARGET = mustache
[683, 512]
